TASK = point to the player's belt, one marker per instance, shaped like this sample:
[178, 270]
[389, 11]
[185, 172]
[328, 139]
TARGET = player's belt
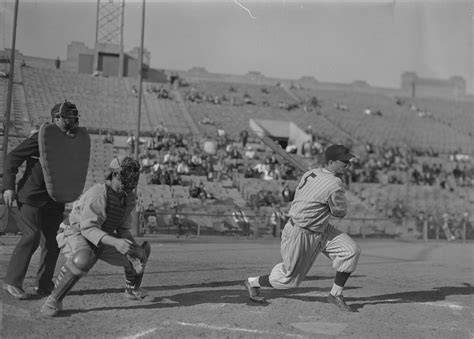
[304, 229]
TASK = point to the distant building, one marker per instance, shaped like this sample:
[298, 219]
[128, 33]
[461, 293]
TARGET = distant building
[415, 86]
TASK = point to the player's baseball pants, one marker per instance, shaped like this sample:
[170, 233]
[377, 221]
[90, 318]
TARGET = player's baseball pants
[300, 247]
[70, 243]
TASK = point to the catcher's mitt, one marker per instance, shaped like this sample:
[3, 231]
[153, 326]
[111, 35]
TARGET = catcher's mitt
[138, 256]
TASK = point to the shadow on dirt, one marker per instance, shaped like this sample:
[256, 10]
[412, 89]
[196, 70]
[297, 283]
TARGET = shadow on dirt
[182, 287]
[240, 296]
[227, 296]
[435, 294]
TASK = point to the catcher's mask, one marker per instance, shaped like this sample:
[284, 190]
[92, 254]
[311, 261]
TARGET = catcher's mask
[127, 170]
[66, 116]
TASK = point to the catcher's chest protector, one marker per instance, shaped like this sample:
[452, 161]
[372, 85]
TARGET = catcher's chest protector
[64, 160]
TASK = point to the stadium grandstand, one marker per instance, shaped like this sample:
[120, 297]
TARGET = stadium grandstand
[415, 150]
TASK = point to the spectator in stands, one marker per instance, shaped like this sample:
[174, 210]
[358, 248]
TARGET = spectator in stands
[291, 147]
[194, 190]
[203, 193]
[433, 227]
[277, 220]
[458, 174]
[210, 173]
[249, 153]
[447, 220]
[465, 226]
[420, 222]
[399, 212]
[109, 138]
[243, 137]
[182, 167]
[131, 143]
[57, 63]
[241, 220]
[150, 219]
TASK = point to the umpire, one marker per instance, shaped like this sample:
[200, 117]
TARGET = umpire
[40, 215]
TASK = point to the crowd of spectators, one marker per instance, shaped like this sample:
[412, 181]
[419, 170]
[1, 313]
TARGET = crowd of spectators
[401, 165]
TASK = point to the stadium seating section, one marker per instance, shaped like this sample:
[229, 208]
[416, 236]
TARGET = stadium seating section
[112, 104]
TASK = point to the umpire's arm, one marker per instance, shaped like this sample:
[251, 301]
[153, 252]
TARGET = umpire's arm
[16, 157]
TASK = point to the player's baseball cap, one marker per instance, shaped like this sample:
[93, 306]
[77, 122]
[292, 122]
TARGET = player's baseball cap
[338, 152]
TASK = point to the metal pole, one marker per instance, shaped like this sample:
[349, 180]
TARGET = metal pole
[97, 24]
[122, 57]
[137, 141]
[10, 88]
[140, 79]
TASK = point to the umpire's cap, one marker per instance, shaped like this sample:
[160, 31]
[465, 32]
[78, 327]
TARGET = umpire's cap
[338, 152]
[66, 109]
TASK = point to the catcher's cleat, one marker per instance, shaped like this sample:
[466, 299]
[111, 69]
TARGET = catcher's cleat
[338, 300]
[135, 293]
[51, 307]
[16, 292]
[254, 293]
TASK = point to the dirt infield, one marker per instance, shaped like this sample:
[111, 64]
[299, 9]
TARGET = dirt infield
[400, 290]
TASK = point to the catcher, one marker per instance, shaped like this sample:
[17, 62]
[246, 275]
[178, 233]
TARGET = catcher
[99, 228]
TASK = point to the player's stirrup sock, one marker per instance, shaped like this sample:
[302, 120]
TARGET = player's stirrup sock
[264, 281]
[339, 282]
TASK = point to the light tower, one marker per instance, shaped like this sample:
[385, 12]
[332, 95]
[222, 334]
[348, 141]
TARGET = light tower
[109, 37]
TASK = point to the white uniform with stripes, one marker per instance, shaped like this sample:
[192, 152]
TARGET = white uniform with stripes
[319, 195]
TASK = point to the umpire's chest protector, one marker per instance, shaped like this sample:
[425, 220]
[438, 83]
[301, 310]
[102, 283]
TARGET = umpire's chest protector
[64, 160]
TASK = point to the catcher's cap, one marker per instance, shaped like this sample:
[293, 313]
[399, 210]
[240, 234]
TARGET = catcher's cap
[115, 165]
[338, 152]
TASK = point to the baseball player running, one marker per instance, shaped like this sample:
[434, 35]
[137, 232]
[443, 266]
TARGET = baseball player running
[319, 195]
[99, 228]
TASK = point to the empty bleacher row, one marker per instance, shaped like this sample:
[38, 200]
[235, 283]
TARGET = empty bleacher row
[397, 124]
[19, 121]
[259, 94]
[104, 103]
[454, 113]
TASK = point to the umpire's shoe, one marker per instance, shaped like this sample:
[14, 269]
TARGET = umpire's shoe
[338, 300]
[16, 292]
[254, 293]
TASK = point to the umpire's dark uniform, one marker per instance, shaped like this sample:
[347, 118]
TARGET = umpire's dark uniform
[40, 216]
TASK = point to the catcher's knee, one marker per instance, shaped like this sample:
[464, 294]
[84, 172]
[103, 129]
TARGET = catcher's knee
[82, 261]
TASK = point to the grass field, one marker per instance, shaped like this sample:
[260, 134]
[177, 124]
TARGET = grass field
[400, 290]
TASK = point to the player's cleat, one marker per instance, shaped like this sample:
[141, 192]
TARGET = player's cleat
[338, 300]
[135, 293]
[16, 292]
[51, 307]
[254, 293]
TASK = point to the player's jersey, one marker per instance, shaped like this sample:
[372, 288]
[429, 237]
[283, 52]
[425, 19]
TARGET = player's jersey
[318, 195]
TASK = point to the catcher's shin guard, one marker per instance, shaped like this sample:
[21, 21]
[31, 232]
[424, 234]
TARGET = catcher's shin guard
[138, 261]
[70, 273]
[139, 257]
